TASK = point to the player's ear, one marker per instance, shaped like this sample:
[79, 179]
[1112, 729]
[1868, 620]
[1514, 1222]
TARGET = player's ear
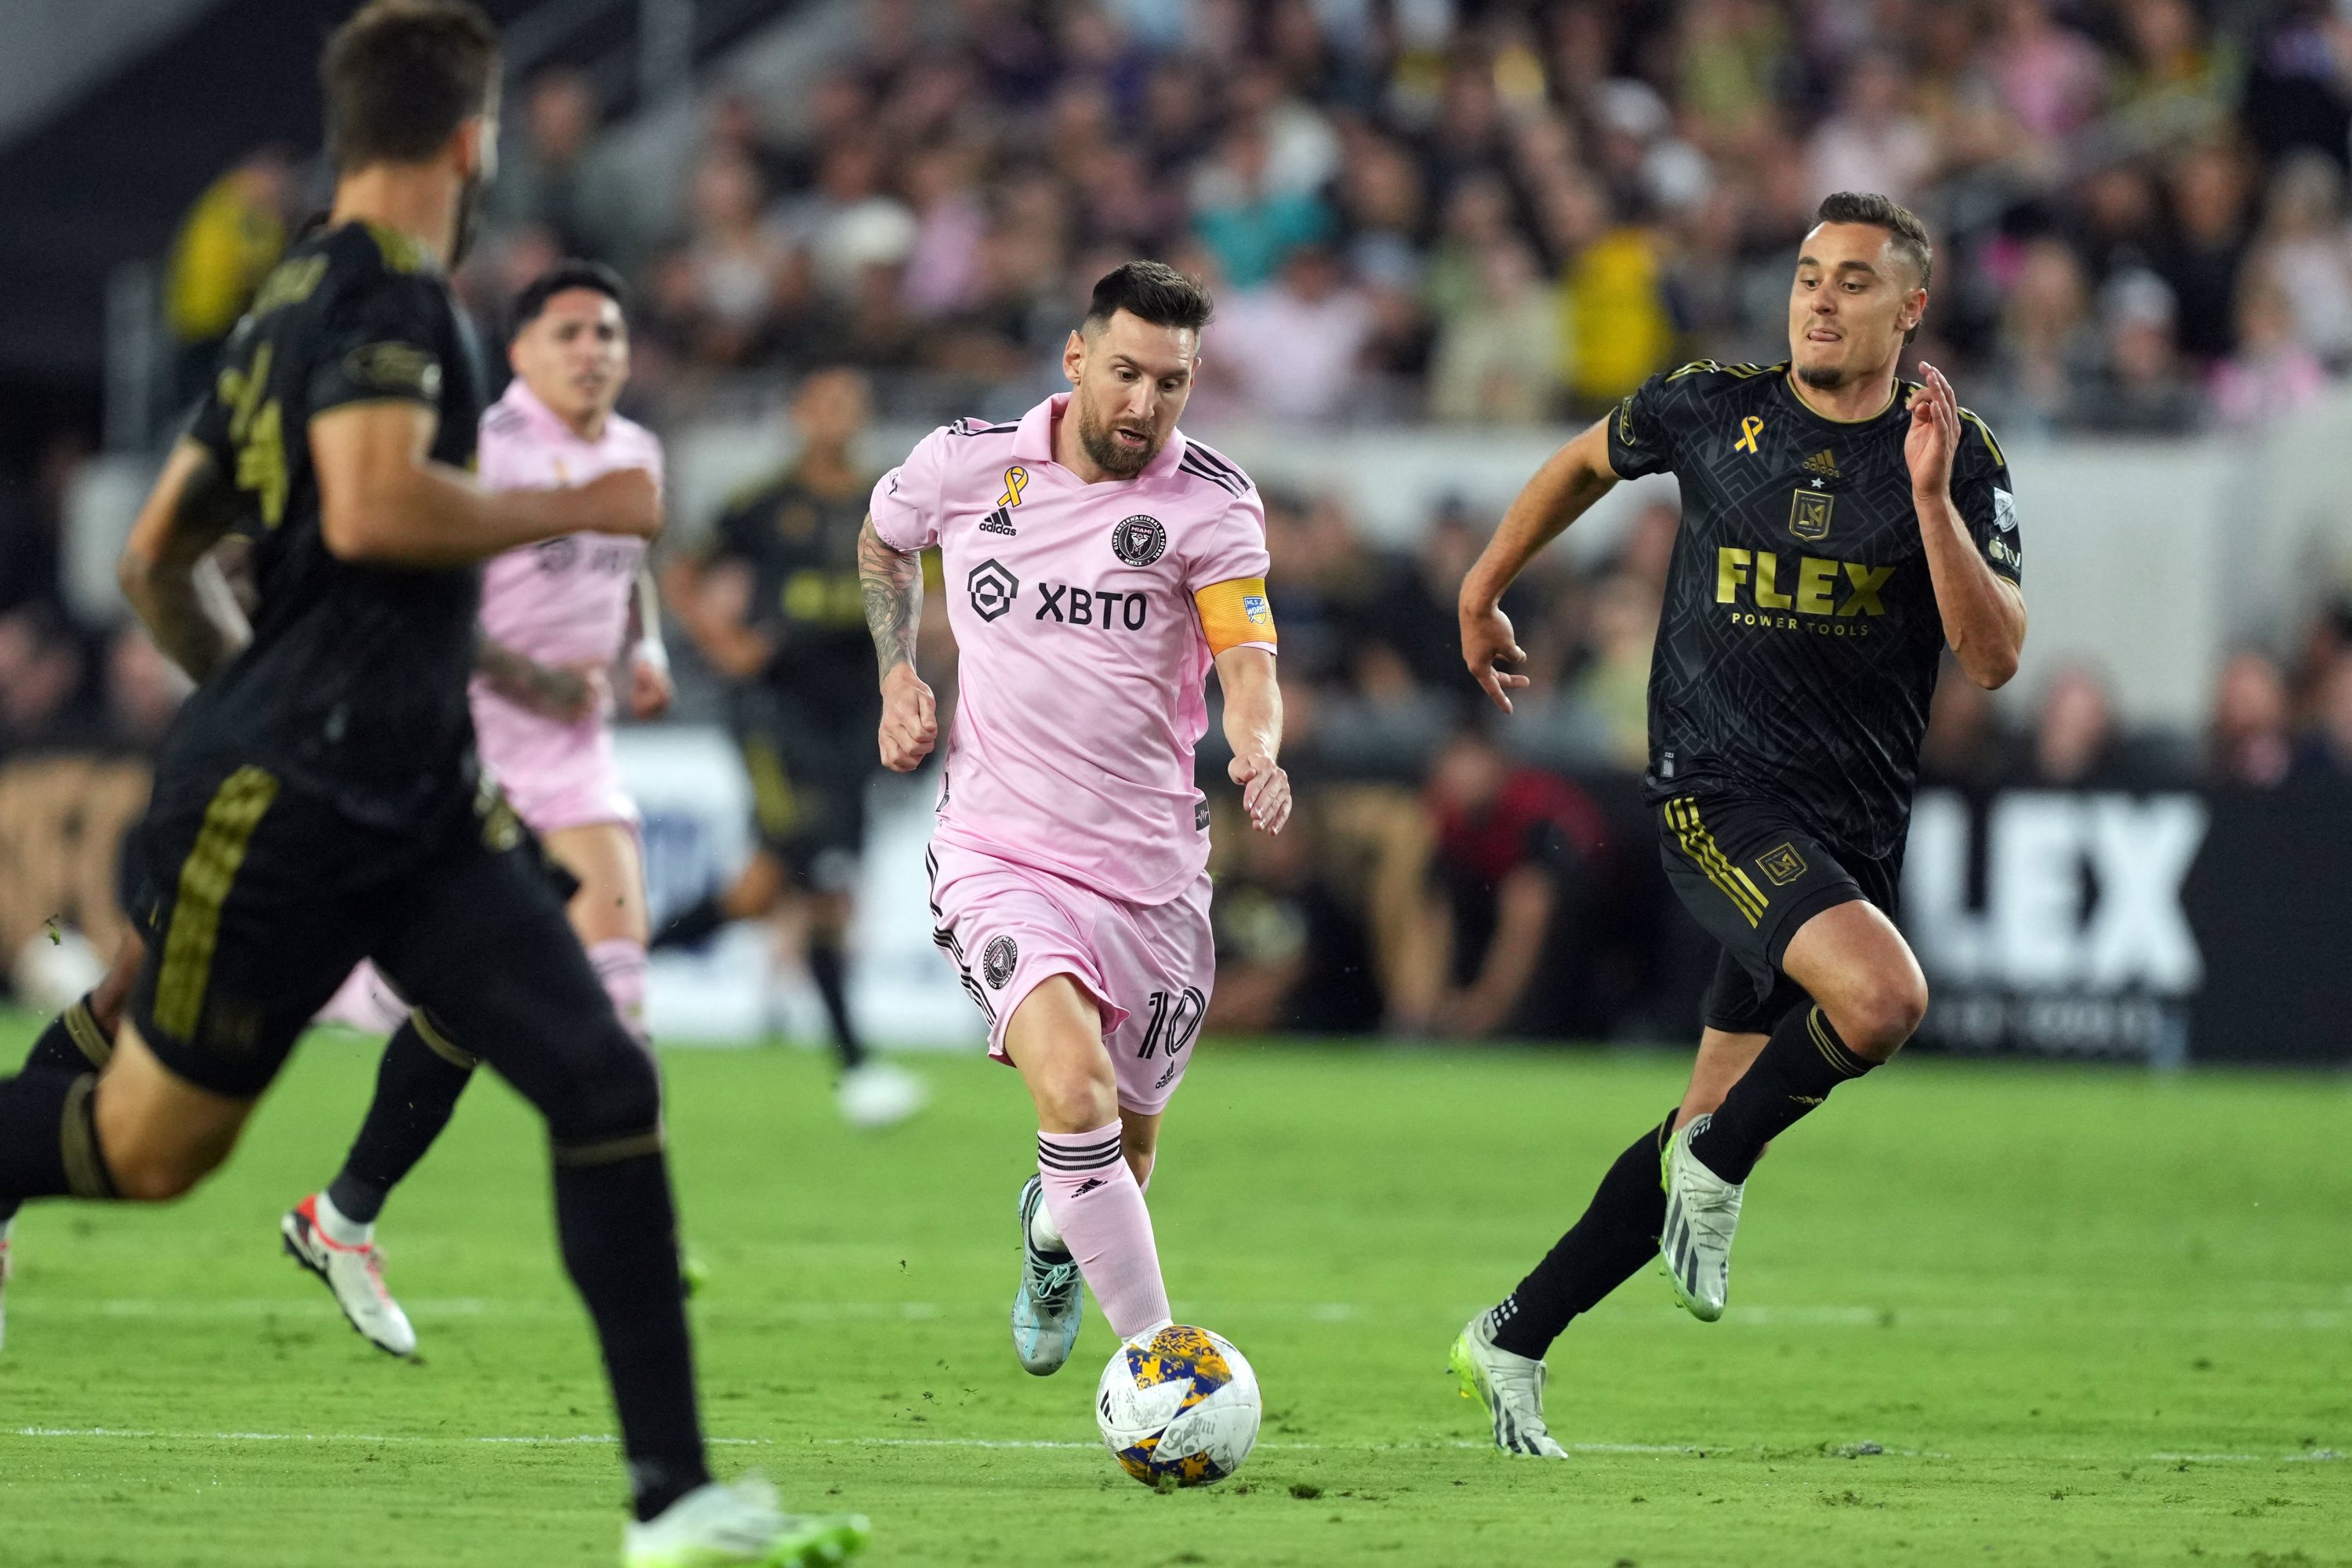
[1073, 356]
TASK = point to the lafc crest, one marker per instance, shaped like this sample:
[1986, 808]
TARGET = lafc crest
[1809, 514]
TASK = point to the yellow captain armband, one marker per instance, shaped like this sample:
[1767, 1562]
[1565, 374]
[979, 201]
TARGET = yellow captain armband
[1235, 613]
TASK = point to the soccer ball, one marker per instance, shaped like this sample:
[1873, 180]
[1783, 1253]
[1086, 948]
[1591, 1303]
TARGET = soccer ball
[1182, 1406]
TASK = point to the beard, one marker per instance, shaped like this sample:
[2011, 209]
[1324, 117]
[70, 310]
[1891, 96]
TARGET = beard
[1095, 435]
[1822, 377]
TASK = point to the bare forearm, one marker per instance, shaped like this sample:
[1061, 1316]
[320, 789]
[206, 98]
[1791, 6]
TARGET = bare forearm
[431, 515]
[1983, 612]
[188, 610]
[1252, 702]
[1562, 490]
[892, 583]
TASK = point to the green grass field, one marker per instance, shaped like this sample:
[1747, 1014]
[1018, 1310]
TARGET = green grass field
[1981, 1315]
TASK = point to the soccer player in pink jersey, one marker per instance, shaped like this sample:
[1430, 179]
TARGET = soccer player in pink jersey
[555, 617]
[1098, 564]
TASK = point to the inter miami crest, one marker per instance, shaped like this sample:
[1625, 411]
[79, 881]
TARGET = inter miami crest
[996, 961]
[1139, 540]
[994, 589]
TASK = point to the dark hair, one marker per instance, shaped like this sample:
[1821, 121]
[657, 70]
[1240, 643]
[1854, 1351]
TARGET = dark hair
[571, 274]
[1151, 291]
[401, 76]
[1909, 234]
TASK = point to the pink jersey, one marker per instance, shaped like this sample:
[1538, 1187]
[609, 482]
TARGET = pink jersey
[1082, 651]
[562, 601]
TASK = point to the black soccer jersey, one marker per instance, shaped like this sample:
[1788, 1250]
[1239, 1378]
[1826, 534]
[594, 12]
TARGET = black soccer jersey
[1800, 641]
[354, 684]
[800, 546]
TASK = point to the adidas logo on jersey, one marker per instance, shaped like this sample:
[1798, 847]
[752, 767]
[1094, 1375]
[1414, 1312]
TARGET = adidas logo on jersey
[999, 522]
[1823, 464]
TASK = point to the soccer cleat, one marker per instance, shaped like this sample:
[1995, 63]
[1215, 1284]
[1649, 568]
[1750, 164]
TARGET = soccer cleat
[1050, 1304]
[1702, 1212]
[740, 1525]
[876, 1094]
[353, 1276]
[1511, 1387]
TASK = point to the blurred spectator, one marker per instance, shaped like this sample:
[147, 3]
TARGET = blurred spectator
[2050, 76]
[226, 245]
[1963, 748]
[42, 669]
[1618, 329]
[1874, 142]
[2249, 745]
[552, 176]
[2326, 751]
[1250, 224]
[1615, 684]
[1292, 955]
[2141, 388]
[2273, 373]
[32, 520]
[847, 223]
[1295, 350]
[2305, 250]
[722, 293]
[2074, 738]
[2207, 249]
[1497, 362]
[1510, 839]
[143, 690]
[2048, 347]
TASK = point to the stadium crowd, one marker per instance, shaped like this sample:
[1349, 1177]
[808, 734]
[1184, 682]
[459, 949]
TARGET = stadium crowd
[1410, 209]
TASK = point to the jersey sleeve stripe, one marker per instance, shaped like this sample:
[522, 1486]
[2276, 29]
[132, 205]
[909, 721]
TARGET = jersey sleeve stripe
[1193, 448]
[1231, 486]
[1984, 430]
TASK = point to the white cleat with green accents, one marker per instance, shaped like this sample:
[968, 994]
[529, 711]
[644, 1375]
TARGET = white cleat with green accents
[739, 1524]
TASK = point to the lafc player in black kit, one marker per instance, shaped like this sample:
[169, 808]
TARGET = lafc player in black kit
[1840, 528]
[317, 802]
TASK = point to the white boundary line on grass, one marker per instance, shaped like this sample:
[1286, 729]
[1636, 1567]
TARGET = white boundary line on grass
[2316, 1455]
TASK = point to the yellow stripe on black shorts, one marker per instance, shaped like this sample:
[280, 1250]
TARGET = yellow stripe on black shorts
[205, 878]
[1682, 815]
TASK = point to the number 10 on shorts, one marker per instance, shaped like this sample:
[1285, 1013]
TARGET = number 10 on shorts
[1175, 1019]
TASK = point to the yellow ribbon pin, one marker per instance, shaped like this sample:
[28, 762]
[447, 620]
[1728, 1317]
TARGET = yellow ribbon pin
[1749, 428]
[1016, 480]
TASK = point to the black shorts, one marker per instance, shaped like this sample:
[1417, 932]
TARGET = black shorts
[810, 766]
[1751, 876]
[259, 898]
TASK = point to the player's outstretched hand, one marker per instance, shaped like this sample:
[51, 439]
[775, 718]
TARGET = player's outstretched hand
[1935, 433]
[1265, 791]
[625, 501]
[1487, 644]
[910, 719]
[649, 687]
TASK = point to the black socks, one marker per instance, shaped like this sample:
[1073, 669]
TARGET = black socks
[417, 1089]
[1798, 1065]
[71, 1045]
[1616, 1236]
[691, 927]
[826, 968]
[48, 1142]
[619, 1231]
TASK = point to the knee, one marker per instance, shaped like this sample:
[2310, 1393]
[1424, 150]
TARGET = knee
[617, 1092]
[1877, 1017]
[145, 1175]
[1076, 1096]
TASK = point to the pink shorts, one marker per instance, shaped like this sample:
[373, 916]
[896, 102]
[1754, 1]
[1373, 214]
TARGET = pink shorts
[1149, 968]
[554, 776]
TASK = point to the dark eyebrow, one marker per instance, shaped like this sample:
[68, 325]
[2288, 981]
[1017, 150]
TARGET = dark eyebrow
[1842, 267]
[1138, 365]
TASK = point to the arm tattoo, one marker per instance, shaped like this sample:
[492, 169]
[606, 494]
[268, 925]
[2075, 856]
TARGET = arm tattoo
[893, 585]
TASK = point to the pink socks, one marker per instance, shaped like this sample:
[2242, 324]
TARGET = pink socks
[621, 966]
[1099, 1211]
